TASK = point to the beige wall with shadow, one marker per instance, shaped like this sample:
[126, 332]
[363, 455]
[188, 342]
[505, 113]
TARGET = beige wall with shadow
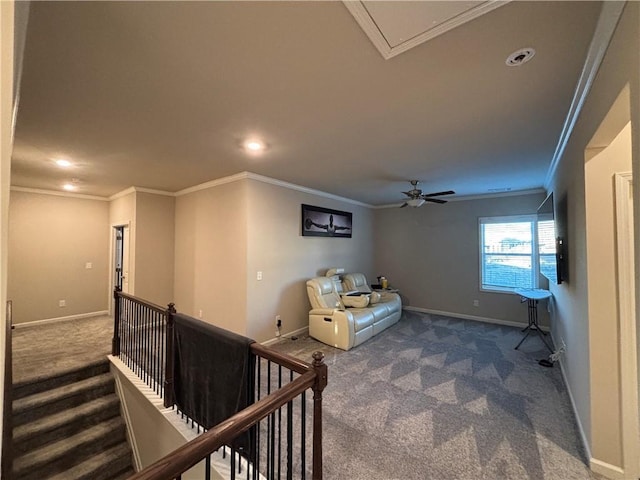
[287, 260]
[589, 364]
[154, 247]
[211, 255]
[51, 240]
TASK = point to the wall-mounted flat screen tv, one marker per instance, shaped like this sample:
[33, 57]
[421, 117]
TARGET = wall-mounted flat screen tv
[550, 246]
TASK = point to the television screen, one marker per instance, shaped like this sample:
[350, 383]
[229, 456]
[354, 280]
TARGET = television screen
[549, 245]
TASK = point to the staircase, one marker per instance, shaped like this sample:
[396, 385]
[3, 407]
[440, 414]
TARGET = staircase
[69, 427]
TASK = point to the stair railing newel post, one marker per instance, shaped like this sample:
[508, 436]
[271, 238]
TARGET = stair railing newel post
[169, 354]
[320, 369]
[115, 343]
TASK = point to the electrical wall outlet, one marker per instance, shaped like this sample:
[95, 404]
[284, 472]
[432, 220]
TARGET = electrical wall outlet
[62, 303]
[199, 313]
[476, 303]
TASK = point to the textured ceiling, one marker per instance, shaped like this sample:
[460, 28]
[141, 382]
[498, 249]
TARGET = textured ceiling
[161, 95]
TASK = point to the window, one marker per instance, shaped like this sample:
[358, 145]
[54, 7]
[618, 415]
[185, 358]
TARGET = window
[508, 253]
[547, 249]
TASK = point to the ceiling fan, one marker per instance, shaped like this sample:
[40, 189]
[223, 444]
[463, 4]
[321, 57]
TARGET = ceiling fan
[417, 198]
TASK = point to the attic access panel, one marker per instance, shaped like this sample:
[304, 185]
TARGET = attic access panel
[395, 27]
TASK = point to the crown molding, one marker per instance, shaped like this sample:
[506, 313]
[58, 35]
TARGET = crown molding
[58, 194]
[261, 178]
[212, 183]
[131, 190]
[154, 192]
[300, 188]
[487, 196]
[512, 193]
[123, 193]
[272, 181]
[607, 23]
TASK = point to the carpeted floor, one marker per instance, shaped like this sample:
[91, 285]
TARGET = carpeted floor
[430, 398]
[43, 350]
[441, 398]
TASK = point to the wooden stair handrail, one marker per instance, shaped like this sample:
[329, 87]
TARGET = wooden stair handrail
[152, 306]
[312, 376]
[291, 363]
[185, 457]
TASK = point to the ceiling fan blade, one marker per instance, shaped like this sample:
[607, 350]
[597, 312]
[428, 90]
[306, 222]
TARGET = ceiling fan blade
[434, 200]
[409, 194]
[404, 205]
[437, 194]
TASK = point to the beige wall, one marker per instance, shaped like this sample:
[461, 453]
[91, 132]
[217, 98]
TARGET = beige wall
[122, 210]
[211, 255]
[154, 247]
[6, 102]
[51, 238]
[602, 288]
[432, 254]
[588, 357]
[287, 259]
[225, 234]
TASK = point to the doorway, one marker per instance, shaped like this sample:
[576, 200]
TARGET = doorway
[627, 310]
[121, 258]
[615, 426]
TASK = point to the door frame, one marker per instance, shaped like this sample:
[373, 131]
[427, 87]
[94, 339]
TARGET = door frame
[126, 244]
[627, 326]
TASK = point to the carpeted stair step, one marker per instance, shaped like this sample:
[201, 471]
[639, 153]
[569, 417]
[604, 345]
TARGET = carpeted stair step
[65, 423]
[37, 405]
[111, 464]
[57, 457]
[26, 388]
[124, 475]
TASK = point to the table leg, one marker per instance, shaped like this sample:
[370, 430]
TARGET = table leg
[532, 320]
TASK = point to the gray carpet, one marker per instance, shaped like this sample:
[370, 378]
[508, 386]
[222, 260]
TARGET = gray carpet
[49, 349]
[441, 398]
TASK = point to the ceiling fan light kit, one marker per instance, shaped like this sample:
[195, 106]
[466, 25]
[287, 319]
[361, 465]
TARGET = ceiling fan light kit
[416, 202]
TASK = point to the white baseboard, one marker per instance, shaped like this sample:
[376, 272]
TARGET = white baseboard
[598, 466]
[470, 317]
[297, 332]
[79, 316]
[583, 436]
[606, 469]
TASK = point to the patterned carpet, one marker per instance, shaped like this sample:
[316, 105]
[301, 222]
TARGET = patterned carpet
[441, 398]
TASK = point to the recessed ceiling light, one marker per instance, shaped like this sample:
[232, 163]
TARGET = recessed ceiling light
[61, 162]
[520, 57]
[254, 145]
[69, 186]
